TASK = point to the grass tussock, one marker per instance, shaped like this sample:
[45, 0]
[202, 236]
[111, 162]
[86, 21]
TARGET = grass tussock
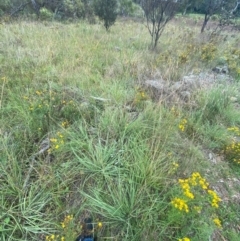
[79, 136]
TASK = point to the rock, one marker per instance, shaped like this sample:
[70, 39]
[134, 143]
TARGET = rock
[221, 69]
[183, 90]
[217, 69]
[158, 85]
[157, 88]
[225, 70]
[191, 82]
[176, 86]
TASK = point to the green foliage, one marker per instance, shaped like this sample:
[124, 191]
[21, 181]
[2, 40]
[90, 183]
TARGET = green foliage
[23, 208]
[73, 8]
[45, 14]
[213, 104]
[5, 5]
[106, 10]
[125, 7]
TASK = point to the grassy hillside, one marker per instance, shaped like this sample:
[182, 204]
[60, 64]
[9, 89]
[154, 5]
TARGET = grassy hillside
[81, 135]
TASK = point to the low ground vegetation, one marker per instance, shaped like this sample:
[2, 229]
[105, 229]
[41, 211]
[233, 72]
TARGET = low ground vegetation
[81, 136]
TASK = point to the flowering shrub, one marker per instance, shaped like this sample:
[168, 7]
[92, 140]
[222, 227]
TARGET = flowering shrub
[195, 187]
[208, 52]
[232, 150]
[232, 57]
[196, 197]
[185, 56]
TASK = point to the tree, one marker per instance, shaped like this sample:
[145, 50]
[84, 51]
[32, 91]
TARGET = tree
[158, 13]
[229, 13]
[210, 7]
[125, 7]
[186, 5]
[106, 10]
[10, 6]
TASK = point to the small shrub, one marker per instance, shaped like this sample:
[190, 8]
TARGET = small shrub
[232, 150]
[106, 10]
[196, 200]
[208, 52]
[45, 14]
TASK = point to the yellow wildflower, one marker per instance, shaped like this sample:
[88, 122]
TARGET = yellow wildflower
[217, 222]
[184, 239]
[99, 224]
[180, 204]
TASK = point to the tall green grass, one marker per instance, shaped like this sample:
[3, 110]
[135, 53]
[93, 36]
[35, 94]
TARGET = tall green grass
[79, 136]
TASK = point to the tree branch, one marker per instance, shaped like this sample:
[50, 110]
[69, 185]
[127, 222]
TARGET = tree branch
[19, 8]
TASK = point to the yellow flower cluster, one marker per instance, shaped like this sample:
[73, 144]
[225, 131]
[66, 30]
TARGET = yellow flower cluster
[66, 221]
[174, 111]
[140, 96]
[215, 198]
[38, 92]
[51, 237]
[232, 56]
[185, 55]
[41, 99]
[54, 238]
[56, 142]
[194, 180]
[233, 149]
[235, 130]
[190, 188]
[64, 224]
[208, 51]
[99, 224]
[217, 221]
[186, 188]
[182, 124]
[197, 179]
[175, 166]
[180, 204]
[65, 124]
[184, 239]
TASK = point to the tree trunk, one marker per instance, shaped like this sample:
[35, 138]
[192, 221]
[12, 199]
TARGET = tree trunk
[186, 8]
[35, 6]
[19, 8]
[206, 18]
